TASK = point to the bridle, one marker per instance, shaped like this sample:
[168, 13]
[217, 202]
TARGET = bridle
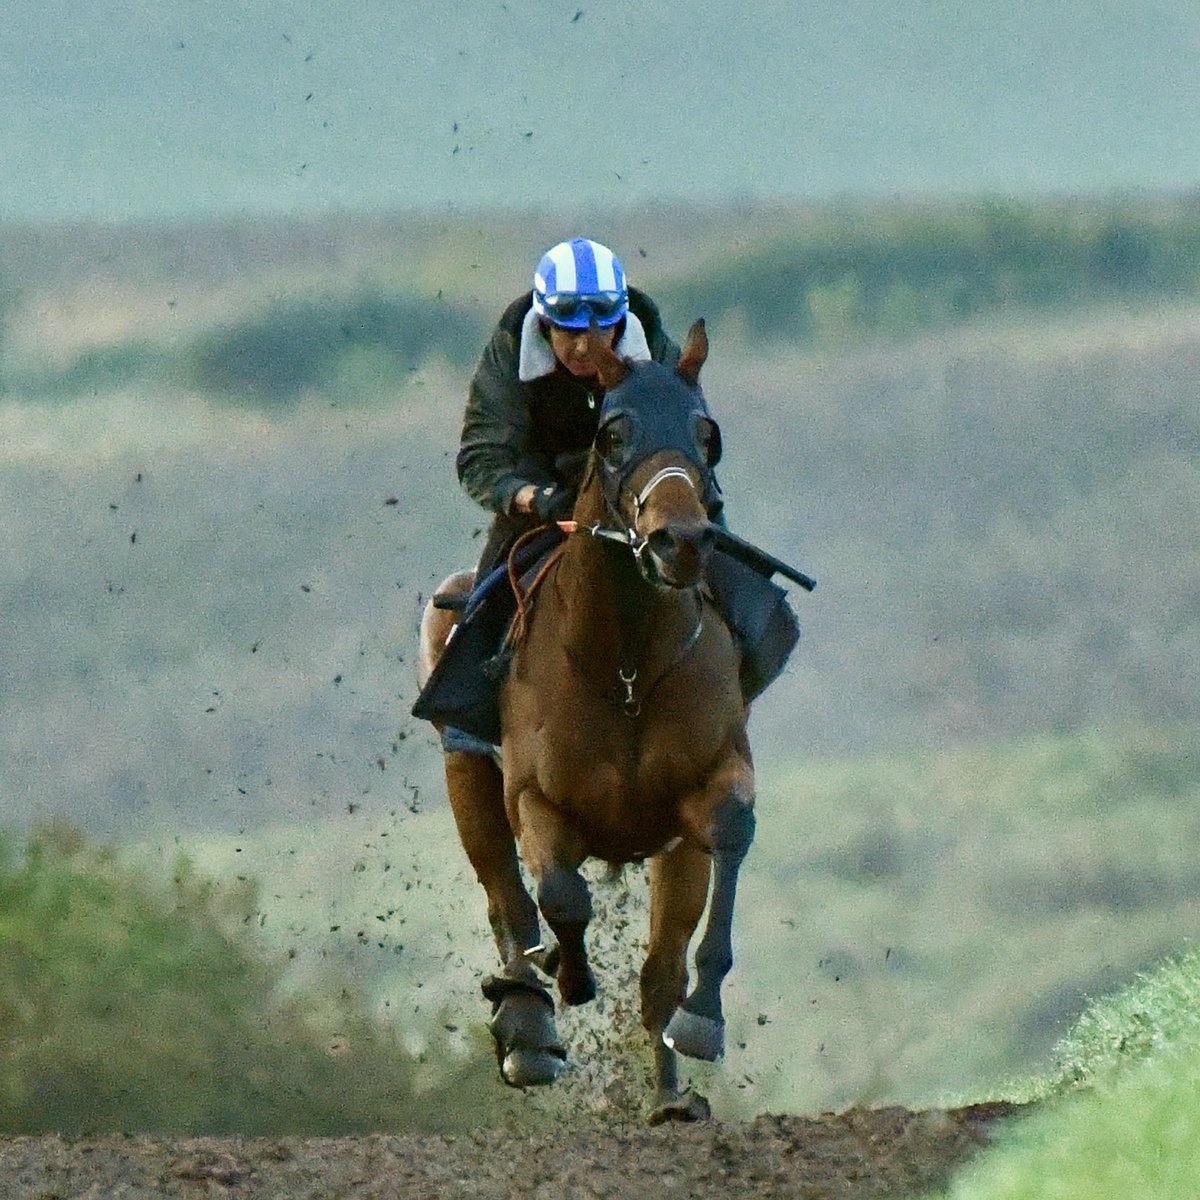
[629, 535]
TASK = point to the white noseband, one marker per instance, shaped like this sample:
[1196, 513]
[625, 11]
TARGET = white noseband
[654, 480]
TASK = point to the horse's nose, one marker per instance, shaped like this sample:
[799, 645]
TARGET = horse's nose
[681, 550]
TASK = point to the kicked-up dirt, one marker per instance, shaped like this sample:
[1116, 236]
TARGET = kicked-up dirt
[856, 1155]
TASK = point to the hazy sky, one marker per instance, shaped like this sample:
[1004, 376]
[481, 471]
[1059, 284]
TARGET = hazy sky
[184, 107]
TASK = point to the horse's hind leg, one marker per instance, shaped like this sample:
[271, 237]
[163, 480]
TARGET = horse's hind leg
[678, 891]
[436, 621]
[476, 790]
[527, 1043]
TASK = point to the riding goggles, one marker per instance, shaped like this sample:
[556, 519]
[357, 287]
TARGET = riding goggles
[572, 310]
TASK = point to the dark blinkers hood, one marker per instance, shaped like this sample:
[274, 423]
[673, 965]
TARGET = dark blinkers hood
[653, 409]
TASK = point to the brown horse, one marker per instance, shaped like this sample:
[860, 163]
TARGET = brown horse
[624, 738]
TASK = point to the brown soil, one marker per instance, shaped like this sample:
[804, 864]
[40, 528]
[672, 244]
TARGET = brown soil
[889, 1152]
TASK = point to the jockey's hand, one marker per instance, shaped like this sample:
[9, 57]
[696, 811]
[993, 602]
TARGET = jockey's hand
[522, 502]
[569, 467]
[552, 504]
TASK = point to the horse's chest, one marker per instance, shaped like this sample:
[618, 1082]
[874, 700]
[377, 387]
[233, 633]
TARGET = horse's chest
[618, 751]
[613, 767]
[624, 811]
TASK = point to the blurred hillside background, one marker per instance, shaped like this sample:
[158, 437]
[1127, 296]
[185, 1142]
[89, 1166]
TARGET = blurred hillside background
[229, 486]
[955, 338]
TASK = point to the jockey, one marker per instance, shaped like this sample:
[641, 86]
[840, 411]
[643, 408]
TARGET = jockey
[532, 414]
[534, 401]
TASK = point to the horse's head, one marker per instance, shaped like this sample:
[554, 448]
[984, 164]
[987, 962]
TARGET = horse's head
[653, 457]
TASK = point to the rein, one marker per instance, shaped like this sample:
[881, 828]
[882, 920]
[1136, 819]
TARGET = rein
[516, 630]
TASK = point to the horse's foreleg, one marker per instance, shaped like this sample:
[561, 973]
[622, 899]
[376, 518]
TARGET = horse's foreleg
[527, 1043]
[678, 891]
[698, 1025]
[552, 851]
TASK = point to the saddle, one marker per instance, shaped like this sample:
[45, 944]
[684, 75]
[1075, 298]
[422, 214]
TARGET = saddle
[462, 692]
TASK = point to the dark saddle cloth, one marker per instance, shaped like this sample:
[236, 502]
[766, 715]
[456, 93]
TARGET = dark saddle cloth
[758, 614]
[463, 690]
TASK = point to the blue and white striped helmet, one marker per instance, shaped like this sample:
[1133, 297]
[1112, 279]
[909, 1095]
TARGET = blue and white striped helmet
[578, 281]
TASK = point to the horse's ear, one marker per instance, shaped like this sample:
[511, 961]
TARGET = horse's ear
[695, 351]
[611, 368]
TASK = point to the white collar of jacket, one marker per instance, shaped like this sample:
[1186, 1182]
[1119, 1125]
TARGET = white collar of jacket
[537, 357]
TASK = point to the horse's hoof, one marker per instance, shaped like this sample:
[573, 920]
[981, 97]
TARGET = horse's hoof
[695, 1036]
[524, 1066]
[577, 989]
[688, 1107]
[527, 1043]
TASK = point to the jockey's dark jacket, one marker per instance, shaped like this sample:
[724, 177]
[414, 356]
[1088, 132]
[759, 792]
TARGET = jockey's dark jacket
[537, 430]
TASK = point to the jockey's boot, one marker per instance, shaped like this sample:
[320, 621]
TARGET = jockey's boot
[759, 617]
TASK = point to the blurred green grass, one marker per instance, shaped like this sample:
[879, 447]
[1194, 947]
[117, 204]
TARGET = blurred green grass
[1118, 1114]
[399, 297]
[913, 929]
[919, 928]
[134, 1004]
[853, 272]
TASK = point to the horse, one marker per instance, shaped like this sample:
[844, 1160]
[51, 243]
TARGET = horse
[623, 739]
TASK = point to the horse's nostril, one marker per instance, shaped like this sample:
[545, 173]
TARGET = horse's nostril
[662, 545]
[699, 539]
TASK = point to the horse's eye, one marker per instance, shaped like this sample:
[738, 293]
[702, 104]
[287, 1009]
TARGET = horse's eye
[611, 438]
[708, 440]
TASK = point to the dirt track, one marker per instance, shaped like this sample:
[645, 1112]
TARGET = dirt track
[851, 1156]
